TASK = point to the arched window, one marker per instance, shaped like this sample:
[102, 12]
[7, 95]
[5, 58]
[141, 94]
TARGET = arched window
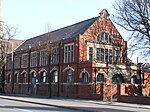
[100, 78]
[69, 76]
[42, 77]
[33, 78]
[133, 79]
[117, 79]
[55, 76]
[24, 78]
[16, 78]
[85, 78]
[9, 78]
[104, 37]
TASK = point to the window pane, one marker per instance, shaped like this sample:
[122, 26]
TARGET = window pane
[118, 60]
[69, 53]
[85, 78]
[69, 76]
[110, 56]
[98, 54]
[100, 77]
[43, 58]
[106, 55]
[102, 55]
[90, 53]
[55, 76]
[24, 60]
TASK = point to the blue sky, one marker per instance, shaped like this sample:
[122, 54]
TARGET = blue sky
[33, 16]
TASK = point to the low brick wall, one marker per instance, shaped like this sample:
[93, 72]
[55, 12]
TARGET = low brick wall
[134, 99]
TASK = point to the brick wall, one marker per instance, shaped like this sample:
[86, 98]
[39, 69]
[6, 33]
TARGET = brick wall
[134, 99]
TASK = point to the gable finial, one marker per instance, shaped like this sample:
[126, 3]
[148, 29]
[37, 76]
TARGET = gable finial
[104, 14]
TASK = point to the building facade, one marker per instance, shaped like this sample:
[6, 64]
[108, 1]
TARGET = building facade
[84, 60]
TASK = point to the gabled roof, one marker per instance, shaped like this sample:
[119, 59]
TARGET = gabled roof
[63, 33]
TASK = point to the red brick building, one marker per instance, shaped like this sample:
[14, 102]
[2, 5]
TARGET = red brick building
[84, 60]
[146, 81]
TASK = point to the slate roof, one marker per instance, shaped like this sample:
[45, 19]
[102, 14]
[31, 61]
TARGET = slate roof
[63, 33]
[146, 67]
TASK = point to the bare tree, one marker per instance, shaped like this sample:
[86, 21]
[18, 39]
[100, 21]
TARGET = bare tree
[134, 17]
[7, 34]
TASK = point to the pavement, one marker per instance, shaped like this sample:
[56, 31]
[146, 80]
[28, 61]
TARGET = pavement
[73, 104]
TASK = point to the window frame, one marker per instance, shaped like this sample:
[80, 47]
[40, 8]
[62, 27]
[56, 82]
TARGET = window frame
[69, 53]
[90, 53]
[9, 63]
[33, 59]
[17, 61]
[70, 77]
[55, 76]
[55, 55]
[43, 57]
[16, 77]
[25, 60]
[105, 37]
[85, 78]
[100, 78]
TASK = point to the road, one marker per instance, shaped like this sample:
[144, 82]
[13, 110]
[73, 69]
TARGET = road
[64, 105]
[16, 106]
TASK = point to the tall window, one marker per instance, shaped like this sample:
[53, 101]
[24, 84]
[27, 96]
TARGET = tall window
[106, 55]
[104, 37]
[117, 56]
[98, 54]
[24, 60]
[90, 53]
[102, 55]
[43, 58]
[55, 55]
[55, 76]
[16, 78]
[9, 78]
[85, 78]
[100, 78]
[9, 63]
[33, 59]
[24, 78]
[42, 77]
[69, 76]
[110, 56]
[16, 62]
[69, 53]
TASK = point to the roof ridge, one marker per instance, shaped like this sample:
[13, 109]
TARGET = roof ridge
[69, 31]
[75, 23]
[63, 27]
